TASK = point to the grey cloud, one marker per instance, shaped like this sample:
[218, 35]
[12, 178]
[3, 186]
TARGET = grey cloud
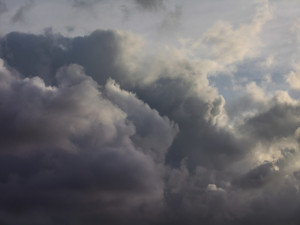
[3, 7]
[154, 134]
[76, 110]
[42, 55]
[66, 148]
[86, 4]
[148, 146]
[253, 198]
[72, 188]
[70, 29]
[297, 174]
[20, 15]
[150, 4]
[257, 176]
[280, 120]
[93, 130]
[81, 4]
[104, 54]
[171, 20]
[199, 139]
[64, 106]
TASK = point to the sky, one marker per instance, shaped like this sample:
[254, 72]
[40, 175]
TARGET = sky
[149, 112]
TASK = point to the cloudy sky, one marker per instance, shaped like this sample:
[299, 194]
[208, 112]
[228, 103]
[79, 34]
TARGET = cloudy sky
[149, 112]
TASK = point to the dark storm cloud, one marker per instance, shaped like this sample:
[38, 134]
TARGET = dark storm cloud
[78, 148]
[74, 110]
[20, 15]
[41, 55]
[103, 54]
[198, 140]
[153, 134]
[66, 147]
[76, 188]
[256, 177]
[278, 121]
[254, 198]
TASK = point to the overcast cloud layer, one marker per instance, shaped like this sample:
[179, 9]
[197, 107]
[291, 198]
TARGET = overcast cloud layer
[149, 112]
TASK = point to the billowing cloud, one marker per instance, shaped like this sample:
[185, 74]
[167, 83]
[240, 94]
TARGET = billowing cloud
[293, 78]
[280, 118]
[230, 45]
[154, 134]
[101, 53]
[112, 127]
[58, 139]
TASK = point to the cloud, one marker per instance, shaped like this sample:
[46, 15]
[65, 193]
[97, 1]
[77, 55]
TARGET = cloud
[293, 78]
[20, 15]
[154, 134]
[257, 176]
[192, 104]
[146, 5]
[213, 187]
[3, 7]
[279, 119]
[228, 44]
[97, 130]
[79, 119]
[102, 53]
[66, 139]
[86, 4]
[171, 20]
[151, 5]
[82, 3]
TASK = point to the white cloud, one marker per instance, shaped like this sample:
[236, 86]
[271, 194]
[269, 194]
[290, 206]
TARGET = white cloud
[229, 45]
[213, 187]
[293, 78]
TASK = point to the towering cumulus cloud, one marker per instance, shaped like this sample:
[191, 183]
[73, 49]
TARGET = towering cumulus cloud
[70, 145]
[156, 118]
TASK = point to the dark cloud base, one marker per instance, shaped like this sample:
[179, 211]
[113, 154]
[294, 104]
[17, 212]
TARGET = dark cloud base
[85, 139]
